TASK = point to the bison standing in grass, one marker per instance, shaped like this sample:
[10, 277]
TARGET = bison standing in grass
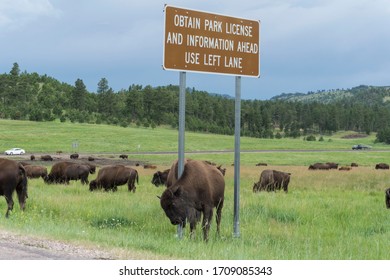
[76, 172]
[272, 180]
[160, 178]
[35, 171]
[199, 190]
[111, 176]
[382, 166]
[13, 177]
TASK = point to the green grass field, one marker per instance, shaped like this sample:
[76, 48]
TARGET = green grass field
[325, 215]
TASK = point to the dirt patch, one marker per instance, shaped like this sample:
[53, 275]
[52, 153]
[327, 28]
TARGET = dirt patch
[354, 136]
[99, 160]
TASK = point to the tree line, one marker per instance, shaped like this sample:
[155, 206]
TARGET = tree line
[30, 96]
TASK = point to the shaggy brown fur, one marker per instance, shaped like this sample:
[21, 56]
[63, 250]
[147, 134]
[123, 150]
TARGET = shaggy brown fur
[13, 177]
[200, 189]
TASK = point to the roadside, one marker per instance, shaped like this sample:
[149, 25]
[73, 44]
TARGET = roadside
[14, 246]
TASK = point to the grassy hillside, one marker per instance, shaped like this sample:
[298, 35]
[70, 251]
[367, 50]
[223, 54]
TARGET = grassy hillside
[325, 215]
[106, 140]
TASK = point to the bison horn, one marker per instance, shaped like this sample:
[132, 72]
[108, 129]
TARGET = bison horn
[159, 197]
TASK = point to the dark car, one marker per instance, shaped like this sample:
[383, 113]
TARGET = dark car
[360, 147]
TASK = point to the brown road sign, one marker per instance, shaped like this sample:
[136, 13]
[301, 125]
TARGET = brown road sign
[203, 42]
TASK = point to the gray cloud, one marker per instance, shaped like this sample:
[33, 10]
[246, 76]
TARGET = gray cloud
[305, 45]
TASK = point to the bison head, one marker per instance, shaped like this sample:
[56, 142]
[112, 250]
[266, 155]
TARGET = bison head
[174, 205]
[156, 180]
[93, 185]
[256, 187]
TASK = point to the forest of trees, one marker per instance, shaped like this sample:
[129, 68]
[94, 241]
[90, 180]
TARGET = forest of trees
[30, 96]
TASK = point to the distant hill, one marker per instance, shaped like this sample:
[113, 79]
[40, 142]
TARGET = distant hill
[34, 97]
[369, 95]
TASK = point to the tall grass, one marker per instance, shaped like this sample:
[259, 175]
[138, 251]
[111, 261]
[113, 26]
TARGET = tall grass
[325, 215]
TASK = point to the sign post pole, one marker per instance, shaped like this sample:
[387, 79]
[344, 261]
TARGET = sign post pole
[182, 116]
[196, 41]
[237, 133]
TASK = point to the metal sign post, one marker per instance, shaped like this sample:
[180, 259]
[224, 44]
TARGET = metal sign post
[196, 41]
[182, 116]
[237, 133]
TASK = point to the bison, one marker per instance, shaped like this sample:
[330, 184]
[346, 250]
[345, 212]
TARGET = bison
[149, 166]
[199, 190]
[160, 177]
[319, 166]
[111, 176]
[123, 156]
[35, 171]
[76, 172]
[74, 156]
[46, 158]
[272, 180]
[13, 177]
[382, 166]
[57, 172]
[387, 198]
[265, 182]
[345, 168]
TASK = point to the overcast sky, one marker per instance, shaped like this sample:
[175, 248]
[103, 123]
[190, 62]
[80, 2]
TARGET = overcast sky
[305, 45]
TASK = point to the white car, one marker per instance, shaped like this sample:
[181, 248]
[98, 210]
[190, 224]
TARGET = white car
[15, 151]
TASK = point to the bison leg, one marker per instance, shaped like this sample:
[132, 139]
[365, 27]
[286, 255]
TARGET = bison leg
[219, 215]
[192, 229]
[207, 216]
[84, 180]
[131, 186]
[10, 204]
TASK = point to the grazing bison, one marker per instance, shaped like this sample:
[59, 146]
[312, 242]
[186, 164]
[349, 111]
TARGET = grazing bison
[319, 166]
[345, 168]
[46, 158]
[160, 177]
[261, 164]
[387, 198]
[354, 164]
[382, 166]
[91, 158]
[111, 176]
[76, 172]
[35, 171]
[123, 156]
[265, 182]
[200, 188]
[32, 157]
[57, 173]
[74, 156]
[13, 177]
[149, 166]
[272, 180]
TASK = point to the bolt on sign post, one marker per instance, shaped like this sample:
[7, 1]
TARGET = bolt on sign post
[197, 41]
